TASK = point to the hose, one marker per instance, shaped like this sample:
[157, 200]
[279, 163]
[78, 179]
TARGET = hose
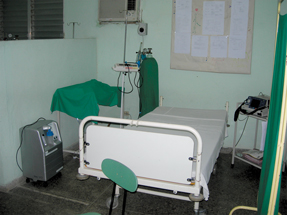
[244, 208]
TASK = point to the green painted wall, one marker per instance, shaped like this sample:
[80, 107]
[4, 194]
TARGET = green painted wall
[32, 70]
[192, 89]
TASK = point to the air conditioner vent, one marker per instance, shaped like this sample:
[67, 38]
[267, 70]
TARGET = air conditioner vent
[131, 4]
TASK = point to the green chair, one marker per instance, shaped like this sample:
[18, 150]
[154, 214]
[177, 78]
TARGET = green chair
[121, 175]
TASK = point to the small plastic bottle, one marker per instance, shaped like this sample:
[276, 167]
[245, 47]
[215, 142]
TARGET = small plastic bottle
[50, 137]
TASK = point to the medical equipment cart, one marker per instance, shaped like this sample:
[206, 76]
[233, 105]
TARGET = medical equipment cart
[237, 153]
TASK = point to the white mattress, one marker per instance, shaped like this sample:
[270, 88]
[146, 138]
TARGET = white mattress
[211, 125]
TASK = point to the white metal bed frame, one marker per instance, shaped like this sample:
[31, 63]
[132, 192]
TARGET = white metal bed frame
[192, 189]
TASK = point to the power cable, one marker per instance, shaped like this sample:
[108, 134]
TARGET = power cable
[21, 141]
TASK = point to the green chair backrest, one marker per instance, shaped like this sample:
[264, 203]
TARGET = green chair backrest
[120, 174]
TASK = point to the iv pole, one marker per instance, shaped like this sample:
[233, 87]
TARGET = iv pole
[124, 73]
[125, 42]
[117, 191]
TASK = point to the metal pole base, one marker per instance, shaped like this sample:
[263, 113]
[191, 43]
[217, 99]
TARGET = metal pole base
[82, 177]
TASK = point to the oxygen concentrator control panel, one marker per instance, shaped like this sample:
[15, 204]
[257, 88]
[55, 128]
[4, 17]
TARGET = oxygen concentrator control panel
[128, 67]
[50, 134]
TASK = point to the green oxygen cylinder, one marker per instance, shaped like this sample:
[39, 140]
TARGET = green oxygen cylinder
[149, 92]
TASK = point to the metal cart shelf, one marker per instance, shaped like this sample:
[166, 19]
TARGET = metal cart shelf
[235, 151]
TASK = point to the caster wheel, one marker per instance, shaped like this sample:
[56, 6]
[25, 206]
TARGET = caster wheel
[27, 180]
[115, 204]
[194, 198]
[82, 177]
[232, 166]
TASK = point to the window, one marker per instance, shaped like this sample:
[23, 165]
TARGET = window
[1, 21]
[31, 19]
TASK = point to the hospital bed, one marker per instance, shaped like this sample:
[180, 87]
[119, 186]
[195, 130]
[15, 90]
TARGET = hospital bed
[172, 149]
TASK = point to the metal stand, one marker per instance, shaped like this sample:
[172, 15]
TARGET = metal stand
[255, 142]
[73, 27]
[122, 97]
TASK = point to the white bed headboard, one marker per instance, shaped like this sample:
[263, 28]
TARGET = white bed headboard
[150, 155]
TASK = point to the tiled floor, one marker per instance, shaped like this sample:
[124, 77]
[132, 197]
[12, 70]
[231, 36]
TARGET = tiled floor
[67, 195]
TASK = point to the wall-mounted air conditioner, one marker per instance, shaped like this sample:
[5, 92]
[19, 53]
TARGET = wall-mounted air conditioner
[116, 10]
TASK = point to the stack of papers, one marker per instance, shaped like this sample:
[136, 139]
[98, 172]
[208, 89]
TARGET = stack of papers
[255, 154]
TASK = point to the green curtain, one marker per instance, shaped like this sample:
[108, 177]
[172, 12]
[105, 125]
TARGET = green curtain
[273, 122]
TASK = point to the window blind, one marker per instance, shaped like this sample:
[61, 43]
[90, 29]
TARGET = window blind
[46, 19]
[1, 21]
[15, 16]
[31, 19]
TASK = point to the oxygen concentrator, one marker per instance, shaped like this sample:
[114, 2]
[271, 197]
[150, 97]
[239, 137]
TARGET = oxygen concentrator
[41, 150]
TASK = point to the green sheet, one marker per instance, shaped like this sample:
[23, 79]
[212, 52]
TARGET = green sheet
[82, 100]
